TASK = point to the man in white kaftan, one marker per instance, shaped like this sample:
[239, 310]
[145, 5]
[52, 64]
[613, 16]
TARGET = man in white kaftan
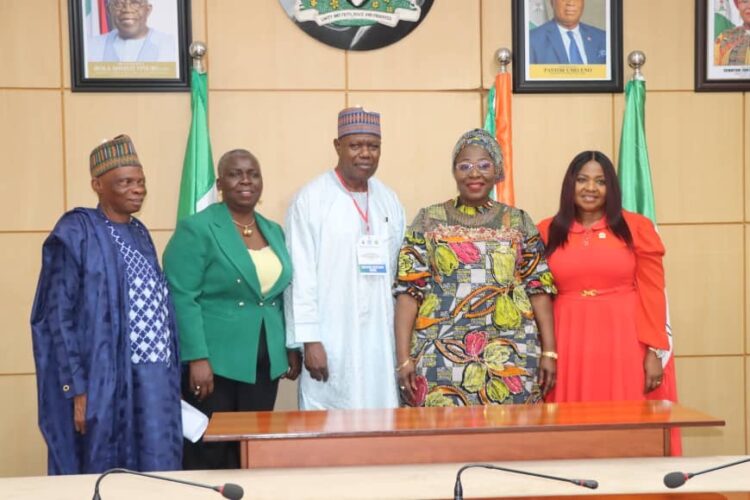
[344, 232]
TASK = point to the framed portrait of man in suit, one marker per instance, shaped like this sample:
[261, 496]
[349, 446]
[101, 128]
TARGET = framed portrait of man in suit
[562, 46]
[129, 45]
[722, 45]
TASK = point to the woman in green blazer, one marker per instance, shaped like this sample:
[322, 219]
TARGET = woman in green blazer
[227, 268]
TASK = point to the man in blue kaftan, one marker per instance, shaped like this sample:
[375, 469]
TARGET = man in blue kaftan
[103, 332]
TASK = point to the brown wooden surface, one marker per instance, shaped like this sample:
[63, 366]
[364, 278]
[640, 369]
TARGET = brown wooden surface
[237, 426]
[465, 434]
[442, 448]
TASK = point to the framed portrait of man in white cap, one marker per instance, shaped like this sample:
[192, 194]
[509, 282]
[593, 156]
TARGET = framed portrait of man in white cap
[129, 45]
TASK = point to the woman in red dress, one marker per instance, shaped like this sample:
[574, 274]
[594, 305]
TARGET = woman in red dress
[610, 311]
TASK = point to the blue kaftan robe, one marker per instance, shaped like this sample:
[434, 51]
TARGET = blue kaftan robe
[82, 344]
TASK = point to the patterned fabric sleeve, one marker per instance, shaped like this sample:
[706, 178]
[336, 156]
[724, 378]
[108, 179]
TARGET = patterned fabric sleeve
[58, 331]
[414, 275]
[533, 269]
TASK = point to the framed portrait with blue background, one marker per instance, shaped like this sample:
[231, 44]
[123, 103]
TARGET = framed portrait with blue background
[129, 45]
[722, 45]
[567, 46]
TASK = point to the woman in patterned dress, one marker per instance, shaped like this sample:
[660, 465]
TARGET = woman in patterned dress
[473, 313]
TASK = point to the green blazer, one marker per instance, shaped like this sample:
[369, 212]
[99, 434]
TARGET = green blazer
[219, 307]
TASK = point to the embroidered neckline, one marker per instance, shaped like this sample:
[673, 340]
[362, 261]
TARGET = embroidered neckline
[470, 210]
[480, 216]
[104, 216]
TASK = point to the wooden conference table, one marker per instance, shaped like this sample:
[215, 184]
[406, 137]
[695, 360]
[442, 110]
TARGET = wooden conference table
[460, 434]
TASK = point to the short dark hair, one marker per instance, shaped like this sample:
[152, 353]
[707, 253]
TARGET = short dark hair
[232, 155]
[563, 219]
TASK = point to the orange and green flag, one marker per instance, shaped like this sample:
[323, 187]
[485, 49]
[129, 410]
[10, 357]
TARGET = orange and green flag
[498, 122]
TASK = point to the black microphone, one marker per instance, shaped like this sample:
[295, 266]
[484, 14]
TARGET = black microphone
[677, 479]
[229, 490]
[458, 490]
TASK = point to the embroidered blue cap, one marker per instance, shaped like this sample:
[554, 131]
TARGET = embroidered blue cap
[118, 152]
[358, 121]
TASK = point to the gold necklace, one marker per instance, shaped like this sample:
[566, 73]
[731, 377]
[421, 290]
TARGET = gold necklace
[246, 228]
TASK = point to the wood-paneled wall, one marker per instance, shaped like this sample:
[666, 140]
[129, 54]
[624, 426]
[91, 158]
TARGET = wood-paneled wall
[276, 92]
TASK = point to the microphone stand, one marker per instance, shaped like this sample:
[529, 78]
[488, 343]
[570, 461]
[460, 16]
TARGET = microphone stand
[677, 479]
[231, 491]
[458, 491]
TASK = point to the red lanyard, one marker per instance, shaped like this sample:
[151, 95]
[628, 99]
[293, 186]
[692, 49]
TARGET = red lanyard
[364, 215]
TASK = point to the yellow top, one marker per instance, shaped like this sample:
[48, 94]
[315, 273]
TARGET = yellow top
[267, 266]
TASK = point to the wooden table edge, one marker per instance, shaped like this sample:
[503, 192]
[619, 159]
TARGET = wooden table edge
[211, 437]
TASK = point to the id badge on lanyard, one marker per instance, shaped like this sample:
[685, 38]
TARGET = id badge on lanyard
[372, 250]
[372, 255]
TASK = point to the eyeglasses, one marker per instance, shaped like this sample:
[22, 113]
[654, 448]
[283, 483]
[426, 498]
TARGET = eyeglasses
[483, 166]
[121, 4]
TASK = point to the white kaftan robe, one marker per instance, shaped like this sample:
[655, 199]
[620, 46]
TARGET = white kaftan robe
[329, 301]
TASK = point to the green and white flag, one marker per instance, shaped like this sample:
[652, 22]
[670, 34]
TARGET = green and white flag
[634, 173]
[634, 170]
[198, 185]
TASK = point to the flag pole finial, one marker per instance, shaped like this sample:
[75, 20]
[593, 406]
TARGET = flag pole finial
[636, 60]
[197, 51]
[504, 57]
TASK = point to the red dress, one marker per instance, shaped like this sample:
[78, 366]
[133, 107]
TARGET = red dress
[609, 309]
